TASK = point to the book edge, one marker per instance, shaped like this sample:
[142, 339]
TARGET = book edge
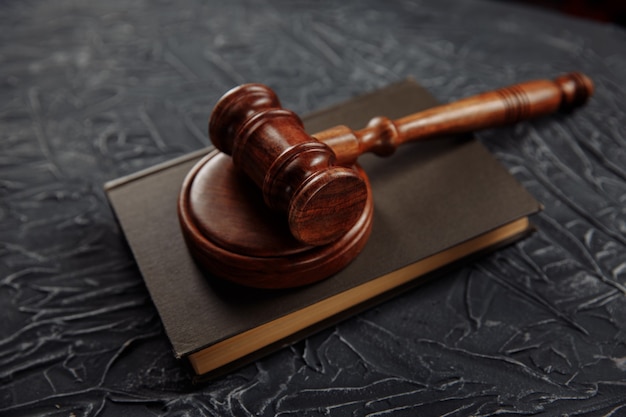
[118, 182]
[212, 358]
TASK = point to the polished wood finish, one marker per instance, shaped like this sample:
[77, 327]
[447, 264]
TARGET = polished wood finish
[310, 177]
[495, 108]
[233, 236]
[296, 173]
[231, 210]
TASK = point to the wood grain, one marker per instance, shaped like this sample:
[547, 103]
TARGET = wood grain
[490, 109]
[234, 237]
[310, 177]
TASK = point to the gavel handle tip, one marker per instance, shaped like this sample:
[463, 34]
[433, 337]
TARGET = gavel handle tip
[576, 88]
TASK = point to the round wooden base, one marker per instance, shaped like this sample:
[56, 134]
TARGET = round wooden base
[233, 235]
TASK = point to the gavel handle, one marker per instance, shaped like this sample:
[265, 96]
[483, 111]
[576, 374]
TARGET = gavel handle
[495, 108]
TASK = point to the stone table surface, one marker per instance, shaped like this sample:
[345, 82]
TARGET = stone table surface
[94, 90]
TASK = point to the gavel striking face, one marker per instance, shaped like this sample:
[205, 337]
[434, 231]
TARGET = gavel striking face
[312, 178]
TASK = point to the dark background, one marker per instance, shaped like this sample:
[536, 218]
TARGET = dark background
[613, 11]
[94, 90]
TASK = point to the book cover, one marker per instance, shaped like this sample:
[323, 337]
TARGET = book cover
[436, 201]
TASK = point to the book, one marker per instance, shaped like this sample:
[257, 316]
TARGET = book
[436, 203]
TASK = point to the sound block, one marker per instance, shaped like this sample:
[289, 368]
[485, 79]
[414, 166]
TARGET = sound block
[234, 236]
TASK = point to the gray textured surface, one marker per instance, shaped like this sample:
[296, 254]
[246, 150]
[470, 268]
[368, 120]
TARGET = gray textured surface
[90, 91]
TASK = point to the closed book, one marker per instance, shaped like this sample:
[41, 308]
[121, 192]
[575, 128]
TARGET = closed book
[437, 202]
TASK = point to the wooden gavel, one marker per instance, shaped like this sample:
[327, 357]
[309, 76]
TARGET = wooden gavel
[312, 178]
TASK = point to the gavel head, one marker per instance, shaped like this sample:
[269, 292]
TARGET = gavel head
[295, 172]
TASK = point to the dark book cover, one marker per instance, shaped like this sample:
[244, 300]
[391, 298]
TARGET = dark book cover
[429, 196]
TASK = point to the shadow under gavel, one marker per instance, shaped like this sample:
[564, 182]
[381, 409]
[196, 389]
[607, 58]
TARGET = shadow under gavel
[314, 181]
